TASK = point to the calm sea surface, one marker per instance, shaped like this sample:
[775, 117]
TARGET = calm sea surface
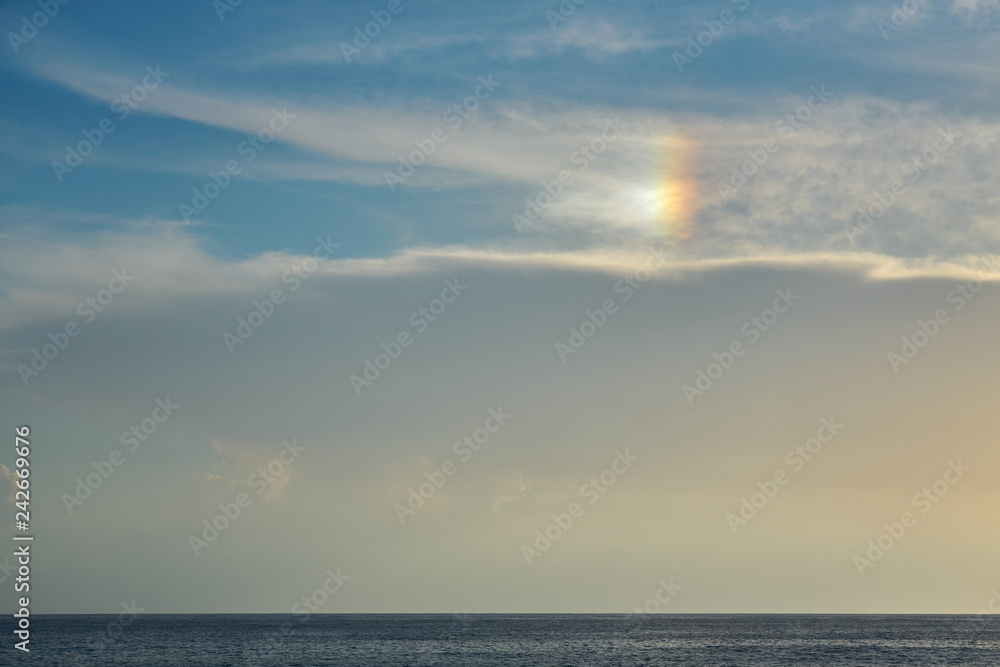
[492, 639]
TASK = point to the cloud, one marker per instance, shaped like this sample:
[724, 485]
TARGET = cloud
[48, 278]
[800, 200]
[235, 464]
[11, 478]
[795, 23]
[203, 492]
[595, 37]
[515, 488]
[495, 346]
[975, 8]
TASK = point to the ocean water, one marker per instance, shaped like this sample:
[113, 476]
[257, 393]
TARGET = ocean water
[499, 639]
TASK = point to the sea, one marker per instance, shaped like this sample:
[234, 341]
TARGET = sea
[310, 640]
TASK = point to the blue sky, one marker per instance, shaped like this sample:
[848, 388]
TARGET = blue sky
[355, 117]
[699, 191]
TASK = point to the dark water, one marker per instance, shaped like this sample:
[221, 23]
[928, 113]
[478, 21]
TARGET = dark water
[448, 639]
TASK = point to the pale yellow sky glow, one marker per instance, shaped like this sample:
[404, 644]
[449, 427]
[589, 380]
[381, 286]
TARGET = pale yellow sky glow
[357, 489]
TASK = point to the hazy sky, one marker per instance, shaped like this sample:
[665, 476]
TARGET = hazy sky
[517, 307]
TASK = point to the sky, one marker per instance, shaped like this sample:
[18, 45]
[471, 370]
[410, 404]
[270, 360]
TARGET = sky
[523, 307]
